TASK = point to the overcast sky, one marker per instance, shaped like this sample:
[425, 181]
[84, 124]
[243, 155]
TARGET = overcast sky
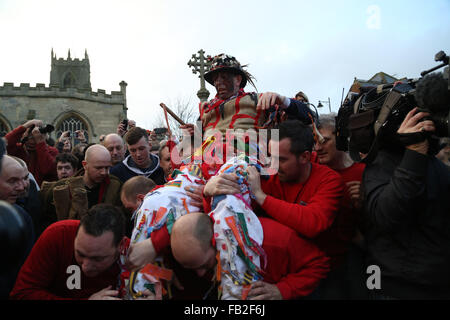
[314, 46]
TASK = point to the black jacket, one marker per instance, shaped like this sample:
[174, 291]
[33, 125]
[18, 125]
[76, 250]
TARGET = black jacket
[299, 110]
[14, 254]
[407, 202]
[32, 205]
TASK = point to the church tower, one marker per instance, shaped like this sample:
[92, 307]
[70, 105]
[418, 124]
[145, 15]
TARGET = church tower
[70, 73]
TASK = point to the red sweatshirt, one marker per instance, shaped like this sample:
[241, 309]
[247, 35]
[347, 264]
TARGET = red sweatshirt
[44, 274]
[294, 264]
[309, 208]
[336, 240]
[41, 163]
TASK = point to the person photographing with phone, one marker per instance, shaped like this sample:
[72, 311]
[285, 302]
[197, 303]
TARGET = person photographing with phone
[65, 141]
[124, 126]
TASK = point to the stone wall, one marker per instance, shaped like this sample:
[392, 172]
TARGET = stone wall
[101, 112]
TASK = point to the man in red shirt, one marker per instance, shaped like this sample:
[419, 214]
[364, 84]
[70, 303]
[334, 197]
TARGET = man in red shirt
[38, 155]
[75, 260]
[231, 108]
[348, 275]
[340, 161]
[310, 192]
[294, 265]
[304, 196]
[351, 173]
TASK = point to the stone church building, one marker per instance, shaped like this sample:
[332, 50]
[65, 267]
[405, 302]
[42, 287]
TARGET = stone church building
[68, 103]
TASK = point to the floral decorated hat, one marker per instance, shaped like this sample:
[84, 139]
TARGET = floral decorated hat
[225, 62]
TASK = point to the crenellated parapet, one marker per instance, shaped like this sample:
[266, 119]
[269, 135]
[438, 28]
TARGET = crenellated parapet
[67, 101]
[40, 90]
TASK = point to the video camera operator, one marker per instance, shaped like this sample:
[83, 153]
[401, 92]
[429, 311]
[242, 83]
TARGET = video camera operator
[28, 142]
[407, 191]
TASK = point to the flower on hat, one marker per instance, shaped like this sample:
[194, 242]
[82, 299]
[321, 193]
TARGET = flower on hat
[227, 62]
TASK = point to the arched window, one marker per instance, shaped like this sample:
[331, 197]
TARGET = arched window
[3, 128]
[69, 80]
[72, 124]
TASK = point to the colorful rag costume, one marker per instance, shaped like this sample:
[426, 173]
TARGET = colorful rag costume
[160, 207]
[238, 236]
[238, 233]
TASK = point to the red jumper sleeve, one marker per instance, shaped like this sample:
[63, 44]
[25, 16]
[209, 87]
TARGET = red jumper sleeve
[160, 239]
[46, 158]
[207, 204]
[13, 138]
[38, 272]
[307, 266]
[316, 215]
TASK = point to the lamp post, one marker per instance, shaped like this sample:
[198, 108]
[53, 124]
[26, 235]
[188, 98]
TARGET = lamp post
[320, 105]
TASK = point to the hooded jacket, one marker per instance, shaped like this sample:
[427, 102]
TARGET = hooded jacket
[128, 169]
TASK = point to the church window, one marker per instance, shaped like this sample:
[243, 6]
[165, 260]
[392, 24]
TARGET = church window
[72, 124]
[69, 80]
[3, 129]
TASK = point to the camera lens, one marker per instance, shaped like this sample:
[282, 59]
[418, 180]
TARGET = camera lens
[47, 129]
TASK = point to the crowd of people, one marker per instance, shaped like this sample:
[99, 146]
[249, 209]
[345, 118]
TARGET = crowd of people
[322, 217]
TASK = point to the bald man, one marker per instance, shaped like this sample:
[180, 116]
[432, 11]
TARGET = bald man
[12, 180]
[96, 165]
[116, 147]
[70, 198]
[12, 185]
[294, 265]
[132, 194]
[134, 191]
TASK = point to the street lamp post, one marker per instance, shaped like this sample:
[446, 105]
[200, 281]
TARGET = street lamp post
[320, 105]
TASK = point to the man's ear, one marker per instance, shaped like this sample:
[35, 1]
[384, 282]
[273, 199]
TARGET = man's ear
[305, 157]
[84, 163]
[238, 80]
[140, 197]
[123, 242]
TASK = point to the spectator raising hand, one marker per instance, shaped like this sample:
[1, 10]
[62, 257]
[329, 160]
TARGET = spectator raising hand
[79, 135]
[29, 144]
[123, 128]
